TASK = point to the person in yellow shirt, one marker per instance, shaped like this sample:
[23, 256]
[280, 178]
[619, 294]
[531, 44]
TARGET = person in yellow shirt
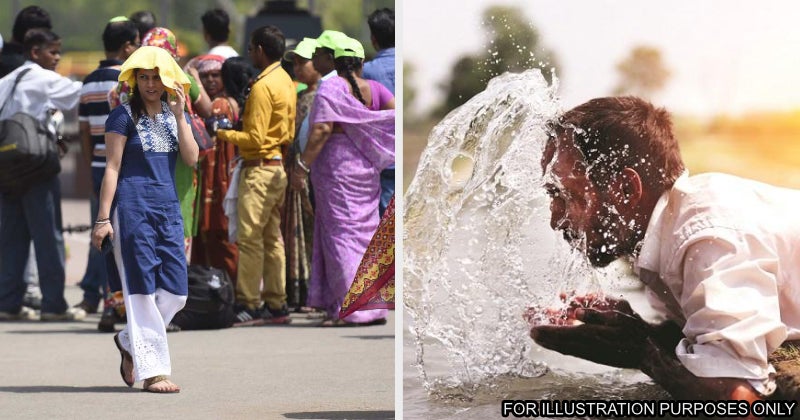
[268, 123]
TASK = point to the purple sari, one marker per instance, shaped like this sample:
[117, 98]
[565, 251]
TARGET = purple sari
[346, 181]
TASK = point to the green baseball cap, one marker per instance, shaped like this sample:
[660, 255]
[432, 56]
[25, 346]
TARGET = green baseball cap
[330, 39]
[304, 49]
[349, 48]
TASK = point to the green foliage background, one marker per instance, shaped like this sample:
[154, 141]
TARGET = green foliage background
[80, 22]
[514, 45]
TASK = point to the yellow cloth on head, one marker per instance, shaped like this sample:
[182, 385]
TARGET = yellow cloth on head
[149, 58]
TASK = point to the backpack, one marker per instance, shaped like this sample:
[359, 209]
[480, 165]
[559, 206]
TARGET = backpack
[210, 301]
[28, 151]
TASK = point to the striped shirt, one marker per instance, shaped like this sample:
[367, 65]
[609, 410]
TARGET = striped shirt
[94, 107]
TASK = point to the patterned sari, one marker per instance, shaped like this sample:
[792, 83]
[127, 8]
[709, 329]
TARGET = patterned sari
[373, 287]
[297, 222]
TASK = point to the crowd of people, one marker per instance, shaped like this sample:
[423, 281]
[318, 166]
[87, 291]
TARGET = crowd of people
[285, 170]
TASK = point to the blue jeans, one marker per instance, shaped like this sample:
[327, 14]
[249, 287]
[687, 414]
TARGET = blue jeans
[387, 188]
[31, 272]
[34, 215]
[96, 277]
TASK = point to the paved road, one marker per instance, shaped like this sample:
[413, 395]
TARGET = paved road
[71, 371]
[76, 213]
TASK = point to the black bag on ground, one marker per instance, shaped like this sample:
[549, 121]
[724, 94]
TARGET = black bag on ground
[28, 151]
[210, 301]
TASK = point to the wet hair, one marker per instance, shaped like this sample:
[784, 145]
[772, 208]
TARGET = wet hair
[29, 18]
[381, 25]
[116, 34]
[237, 73]
[614, 133]
[271, 40]
[39, 38]
[216, 23]
[145, 20]
[346, 67]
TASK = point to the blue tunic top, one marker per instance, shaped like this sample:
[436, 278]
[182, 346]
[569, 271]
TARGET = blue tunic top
[146, 212]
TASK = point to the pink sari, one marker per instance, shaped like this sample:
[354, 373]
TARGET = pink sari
[346, 181]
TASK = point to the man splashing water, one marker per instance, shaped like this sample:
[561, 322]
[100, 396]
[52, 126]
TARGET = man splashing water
[716, 253]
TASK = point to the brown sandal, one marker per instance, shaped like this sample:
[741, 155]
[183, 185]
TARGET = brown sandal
[125, 356]
[156, 379]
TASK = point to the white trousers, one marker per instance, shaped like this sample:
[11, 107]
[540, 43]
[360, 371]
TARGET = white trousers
[145, 335]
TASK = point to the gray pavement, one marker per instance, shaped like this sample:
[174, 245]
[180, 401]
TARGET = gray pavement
[75, 213]
[71, 371]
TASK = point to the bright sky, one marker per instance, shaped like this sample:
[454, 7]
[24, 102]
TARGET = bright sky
[728, 56]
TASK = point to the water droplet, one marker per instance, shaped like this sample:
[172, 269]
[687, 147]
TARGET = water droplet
[476, 251]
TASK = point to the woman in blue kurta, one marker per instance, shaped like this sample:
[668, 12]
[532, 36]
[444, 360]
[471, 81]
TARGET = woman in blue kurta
[139, 209]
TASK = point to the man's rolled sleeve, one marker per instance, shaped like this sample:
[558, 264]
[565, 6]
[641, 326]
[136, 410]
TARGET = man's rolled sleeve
[64, 93]
[255, 122]
[730, 300]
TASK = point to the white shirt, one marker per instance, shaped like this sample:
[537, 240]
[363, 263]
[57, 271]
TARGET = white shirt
[39, 92]
[224, 50]
[721, 256]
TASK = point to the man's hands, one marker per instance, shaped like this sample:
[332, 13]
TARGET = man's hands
[218, 123]
[596, 328]
[607, 331]
[566, 316]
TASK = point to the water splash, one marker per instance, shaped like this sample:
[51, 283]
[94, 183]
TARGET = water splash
[477, 249]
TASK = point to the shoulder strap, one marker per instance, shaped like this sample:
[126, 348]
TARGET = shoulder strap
[189, 106]
[13, 88]
[265, 74]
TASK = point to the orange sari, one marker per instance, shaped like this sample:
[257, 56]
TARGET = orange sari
[210, 246]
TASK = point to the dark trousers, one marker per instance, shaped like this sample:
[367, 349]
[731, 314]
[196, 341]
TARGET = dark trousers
[34, 215]
[95, 279]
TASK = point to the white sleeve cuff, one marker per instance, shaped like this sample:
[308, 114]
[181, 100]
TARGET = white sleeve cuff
[712, 361]
[767, 386]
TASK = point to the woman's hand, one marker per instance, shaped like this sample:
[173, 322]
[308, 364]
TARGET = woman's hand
[298, 178]
[193, 72]
[177, 101]
[99, 232]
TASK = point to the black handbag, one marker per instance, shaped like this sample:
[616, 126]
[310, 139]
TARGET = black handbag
[209, 304]
[28, 151]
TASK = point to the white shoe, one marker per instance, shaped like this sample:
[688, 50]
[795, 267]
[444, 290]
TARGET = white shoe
[24, 314]
[33, 297]
[71, 314]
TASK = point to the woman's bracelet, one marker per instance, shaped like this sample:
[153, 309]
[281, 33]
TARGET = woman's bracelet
[103, 221]
[303, 165]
